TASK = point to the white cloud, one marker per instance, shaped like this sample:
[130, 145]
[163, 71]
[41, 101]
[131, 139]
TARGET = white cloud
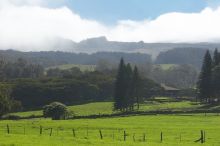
[26, 24]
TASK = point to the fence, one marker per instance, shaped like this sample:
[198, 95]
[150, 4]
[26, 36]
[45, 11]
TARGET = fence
[100, 133]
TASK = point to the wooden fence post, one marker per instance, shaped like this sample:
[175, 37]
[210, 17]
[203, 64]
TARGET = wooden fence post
[51, 130]
[74, 133]
[144, 137]
[124, 135]
[8, 130]
[40, 130]
[100, 133]
[134, 137]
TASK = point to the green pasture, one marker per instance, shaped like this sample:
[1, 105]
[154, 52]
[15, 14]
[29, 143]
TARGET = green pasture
[100, 108]
[178, 130]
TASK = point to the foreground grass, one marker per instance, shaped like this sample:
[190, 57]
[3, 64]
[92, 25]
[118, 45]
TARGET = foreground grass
[177, 130]
[100, 108]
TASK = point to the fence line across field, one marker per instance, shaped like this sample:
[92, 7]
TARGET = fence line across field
[97, 133]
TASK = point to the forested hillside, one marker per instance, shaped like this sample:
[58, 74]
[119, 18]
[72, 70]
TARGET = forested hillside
[191, 56]
[53, 58]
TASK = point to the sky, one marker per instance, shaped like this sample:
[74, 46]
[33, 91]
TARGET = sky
[25, 23]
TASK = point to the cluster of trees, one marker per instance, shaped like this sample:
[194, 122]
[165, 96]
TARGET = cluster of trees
[209, 80]
[68, 73]
[7, 104]
[89, 87]
[19, 69]
[127, 86]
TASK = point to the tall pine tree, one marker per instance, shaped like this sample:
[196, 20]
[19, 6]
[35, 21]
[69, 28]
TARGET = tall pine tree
[136, 83]
[216, 58]
[216, 82]
[129, 98]
[120, 91]
[204, 84]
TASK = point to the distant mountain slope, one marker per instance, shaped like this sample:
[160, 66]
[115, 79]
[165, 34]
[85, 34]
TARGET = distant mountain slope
[192, 56]
[52, 58]
[101, 44]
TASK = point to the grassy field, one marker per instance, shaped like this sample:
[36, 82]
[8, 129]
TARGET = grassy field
[178, 130]
[106, 108]
[166, 66]
[69, 66]
[93, 67]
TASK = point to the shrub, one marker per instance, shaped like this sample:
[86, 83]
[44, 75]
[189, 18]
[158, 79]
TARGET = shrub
[55, 110]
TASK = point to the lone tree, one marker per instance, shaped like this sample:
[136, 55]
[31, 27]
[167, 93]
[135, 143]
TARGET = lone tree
[55, 110]
[204, 84]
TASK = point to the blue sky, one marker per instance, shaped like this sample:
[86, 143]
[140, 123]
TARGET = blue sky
[110, 11]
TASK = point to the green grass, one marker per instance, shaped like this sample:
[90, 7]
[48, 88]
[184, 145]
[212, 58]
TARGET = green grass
[172, 126]
[69, 66]
[106, 107]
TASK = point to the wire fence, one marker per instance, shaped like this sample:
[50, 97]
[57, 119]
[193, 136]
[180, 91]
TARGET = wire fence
[104, 133]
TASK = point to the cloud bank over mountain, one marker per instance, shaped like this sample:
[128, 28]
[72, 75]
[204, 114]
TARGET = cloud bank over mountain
[31, 24]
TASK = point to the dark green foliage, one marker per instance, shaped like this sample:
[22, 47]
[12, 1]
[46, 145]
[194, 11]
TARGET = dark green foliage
[55, 110]
[19, 69]
[88, 87]
[204, 83]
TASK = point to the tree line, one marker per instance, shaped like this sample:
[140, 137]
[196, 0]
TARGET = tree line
[208, 85]
[19, 69]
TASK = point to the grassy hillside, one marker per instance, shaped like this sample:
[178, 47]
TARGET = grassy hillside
[166, 66]
[106, 107]
[177, 130]
[69, 66]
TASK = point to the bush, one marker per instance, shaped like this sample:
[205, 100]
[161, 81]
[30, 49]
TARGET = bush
[55, 110]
